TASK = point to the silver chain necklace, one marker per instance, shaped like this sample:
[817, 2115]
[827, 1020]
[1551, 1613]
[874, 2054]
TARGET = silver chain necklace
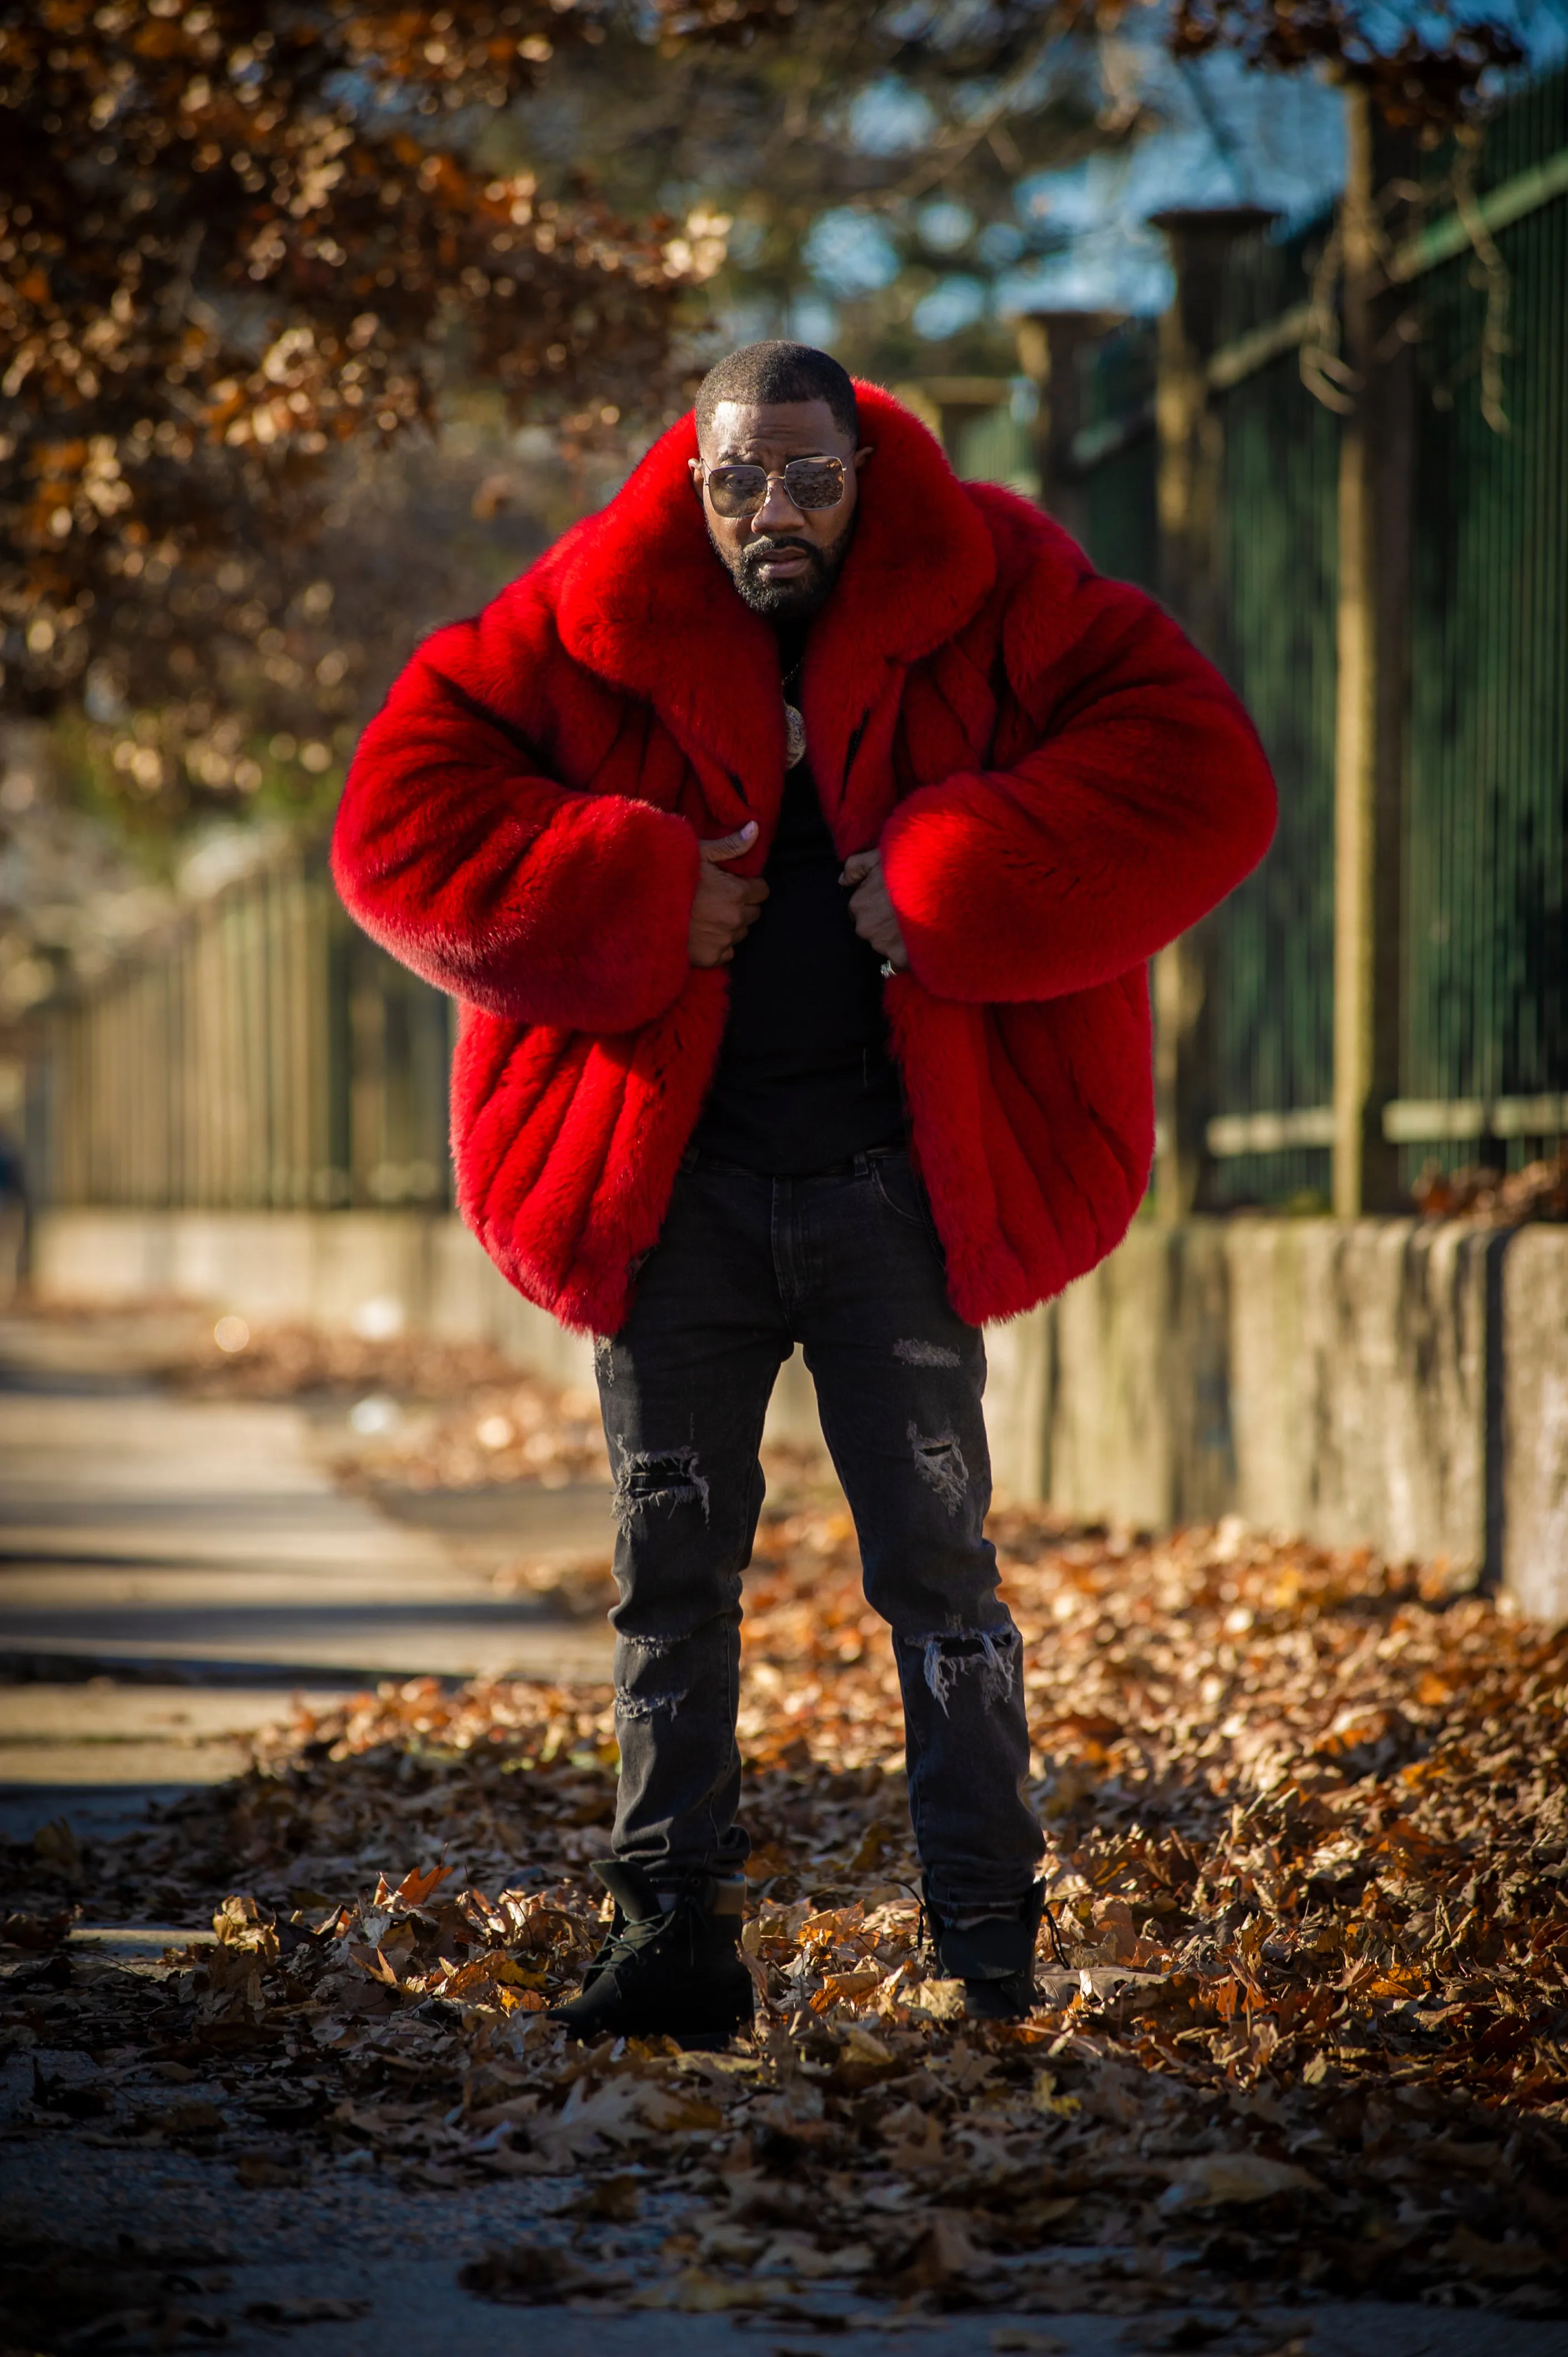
[794, 724]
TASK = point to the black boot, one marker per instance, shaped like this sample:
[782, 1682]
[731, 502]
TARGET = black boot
[994, 1956]
[670, 1966]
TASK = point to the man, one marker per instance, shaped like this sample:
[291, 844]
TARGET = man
[794, 835]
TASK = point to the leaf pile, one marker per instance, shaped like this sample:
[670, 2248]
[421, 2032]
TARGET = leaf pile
[1479, 1191]
[516, 1429]
[1302, 2026]
[295, 1360]
[237, 238]
[458, 1415]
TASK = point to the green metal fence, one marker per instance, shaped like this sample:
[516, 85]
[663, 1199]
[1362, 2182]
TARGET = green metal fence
[266, 1057]
[1484, 997]
[1484, 993]
[1271, 955]
[999, 445]
[1117, 462]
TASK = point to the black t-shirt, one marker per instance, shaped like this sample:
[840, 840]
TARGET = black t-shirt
[805, 1079]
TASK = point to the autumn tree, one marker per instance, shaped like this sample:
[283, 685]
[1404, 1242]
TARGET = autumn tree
[243, 247]
[237, 238]
[242, 240]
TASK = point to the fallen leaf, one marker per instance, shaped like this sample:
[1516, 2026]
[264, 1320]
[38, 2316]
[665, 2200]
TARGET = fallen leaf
[941, 2001]
[846, 1988]
[699, 2294]
[529, 2275]
[37, 1934]
[1503, 2262]
[1213, 2179]
[940, 2256]
[416, 1886]
[1046, 2099]
[614, 2201]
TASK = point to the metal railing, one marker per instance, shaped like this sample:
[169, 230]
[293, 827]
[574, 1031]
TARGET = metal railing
[1482, 992]
[264, 1056]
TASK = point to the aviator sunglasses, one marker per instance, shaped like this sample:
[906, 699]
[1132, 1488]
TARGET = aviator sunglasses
[739, 491]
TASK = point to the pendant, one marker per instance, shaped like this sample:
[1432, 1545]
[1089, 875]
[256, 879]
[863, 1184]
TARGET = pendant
[794, 737]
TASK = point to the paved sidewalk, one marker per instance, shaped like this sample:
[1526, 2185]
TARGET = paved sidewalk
[254, 2263]
[391, 2257]
[170, 1568]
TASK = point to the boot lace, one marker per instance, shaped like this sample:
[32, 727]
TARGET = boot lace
[628, 1937]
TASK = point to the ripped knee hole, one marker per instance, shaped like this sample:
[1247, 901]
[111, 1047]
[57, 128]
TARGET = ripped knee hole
[991, 1653]
[940, 1462]
[670, 1477]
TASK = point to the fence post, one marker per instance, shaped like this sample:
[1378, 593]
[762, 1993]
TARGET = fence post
[1049, 343]
[1375, 470]
[1191, 454]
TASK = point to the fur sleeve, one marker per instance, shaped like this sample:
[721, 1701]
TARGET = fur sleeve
[1138, 795]
[530, 900]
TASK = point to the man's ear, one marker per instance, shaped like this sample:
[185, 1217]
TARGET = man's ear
[696, 468]
[867, 451]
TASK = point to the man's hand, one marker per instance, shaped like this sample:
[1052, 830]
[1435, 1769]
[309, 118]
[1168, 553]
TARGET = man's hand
[726, 907]
[875, 919]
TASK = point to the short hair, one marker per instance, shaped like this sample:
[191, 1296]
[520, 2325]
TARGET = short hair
[776, 370]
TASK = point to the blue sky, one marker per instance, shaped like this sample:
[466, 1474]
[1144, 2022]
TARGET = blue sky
[1079, 238]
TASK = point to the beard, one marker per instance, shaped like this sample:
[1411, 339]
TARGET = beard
[785, 601]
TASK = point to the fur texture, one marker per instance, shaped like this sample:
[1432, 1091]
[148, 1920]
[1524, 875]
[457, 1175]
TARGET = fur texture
[1060, 784]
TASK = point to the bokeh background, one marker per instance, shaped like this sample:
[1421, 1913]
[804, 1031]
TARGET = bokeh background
[318, 319]
[320, 325]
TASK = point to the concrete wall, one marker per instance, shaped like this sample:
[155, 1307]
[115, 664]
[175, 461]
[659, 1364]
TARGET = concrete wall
[1534, 1418]
[1310, 1375]
[1368, 1341]
[1393, 1383]
[328, 1267]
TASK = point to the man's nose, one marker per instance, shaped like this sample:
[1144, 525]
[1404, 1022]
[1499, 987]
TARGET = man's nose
[777, 512]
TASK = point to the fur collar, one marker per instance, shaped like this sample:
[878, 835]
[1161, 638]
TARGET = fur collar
[642, 601]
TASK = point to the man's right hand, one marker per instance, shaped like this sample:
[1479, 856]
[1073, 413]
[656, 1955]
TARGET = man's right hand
[726, 907]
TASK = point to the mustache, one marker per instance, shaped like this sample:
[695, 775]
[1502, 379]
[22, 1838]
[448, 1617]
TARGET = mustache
[775, 546]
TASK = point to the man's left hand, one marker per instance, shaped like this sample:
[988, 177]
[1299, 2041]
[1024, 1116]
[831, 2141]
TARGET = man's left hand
[875, 919]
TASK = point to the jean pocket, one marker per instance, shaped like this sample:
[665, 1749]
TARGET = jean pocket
[898, 1188]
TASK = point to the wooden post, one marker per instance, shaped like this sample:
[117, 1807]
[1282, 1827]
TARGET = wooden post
[1375, 470]
[1048, 345]
[1191, 459]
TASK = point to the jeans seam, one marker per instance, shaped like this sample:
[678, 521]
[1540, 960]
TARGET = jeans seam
[917, 1792]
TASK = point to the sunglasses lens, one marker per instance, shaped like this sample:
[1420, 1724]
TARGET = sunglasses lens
[808, 483]
[736, 491]
[813, 483]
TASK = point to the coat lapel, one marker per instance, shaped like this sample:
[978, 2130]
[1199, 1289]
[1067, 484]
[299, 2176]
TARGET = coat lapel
[920, 566]
[645, 604]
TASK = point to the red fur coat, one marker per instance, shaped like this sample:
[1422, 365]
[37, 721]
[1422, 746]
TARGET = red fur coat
[1058, 781]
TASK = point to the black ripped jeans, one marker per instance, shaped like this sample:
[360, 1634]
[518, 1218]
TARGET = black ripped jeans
[847, 1265]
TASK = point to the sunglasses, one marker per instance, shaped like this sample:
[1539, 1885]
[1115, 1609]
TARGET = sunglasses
[740, 490]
